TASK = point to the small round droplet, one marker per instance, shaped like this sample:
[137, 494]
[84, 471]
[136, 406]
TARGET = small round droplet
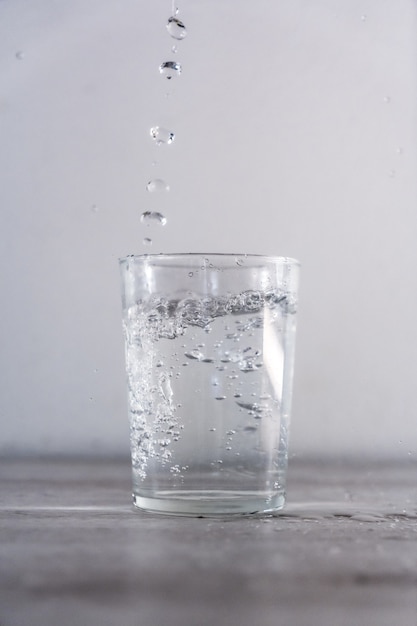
[157, 185]
[190, 274]
[19, 55]
[174, 49]
[364, 18]
[387, 99]
[147, 241]
[176, 28]
[170, 69]
[94, 208]
[162, 135]
[152, 217]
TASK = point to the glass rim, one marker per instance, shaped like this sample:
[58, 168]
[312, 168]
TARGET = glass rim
[184, 255]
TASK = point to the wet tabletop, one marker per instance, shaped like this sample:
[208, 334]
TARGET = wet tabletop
[74, 552]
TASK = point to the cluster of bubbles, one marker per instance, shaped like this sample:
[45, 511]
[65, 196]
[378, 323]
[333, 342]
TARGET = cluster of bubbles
[169, 70]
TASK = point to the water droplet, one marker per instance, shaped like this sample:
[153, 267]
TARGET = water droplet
[19, 55]
[157, 185]
[147, 241]
[387, 99]
[162, 135]
[174, 49]
[176, 28]
[190, 274]
[400, 150]
[212, 430]
[94, 208]
[170, 69]
[364, 18]
[392, 173]
[149, 217]
[220, 398]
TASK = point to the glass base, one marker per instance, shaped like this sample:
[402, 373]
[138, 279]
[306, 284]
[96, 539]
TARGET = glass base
[209, 503]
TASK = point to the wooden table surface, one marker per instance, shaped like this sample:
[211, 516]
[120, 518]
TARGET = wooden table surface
[73, 552]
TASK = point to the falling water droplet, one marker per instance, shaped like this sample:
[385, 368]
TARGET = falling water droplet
[176, 28]
[19, 55]
[157, 185]
[170, 69]
[147, 241]
[149, 217]
[162, 135]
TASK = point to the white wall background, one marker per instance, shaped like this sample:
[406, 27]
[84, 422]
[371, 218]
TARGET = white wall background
[295, 134]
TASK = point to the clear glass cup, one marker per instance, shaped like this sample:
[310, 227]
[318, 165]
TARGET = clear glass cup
[209, 356]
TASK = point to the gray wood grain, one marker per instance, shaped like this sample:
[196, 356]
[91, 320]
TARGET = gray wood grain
[74, 552]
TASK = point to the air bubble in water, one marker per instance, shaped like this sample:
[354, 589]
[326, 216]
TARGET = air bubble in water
[195, 355]
[156, 185]
[149, 217]
[170, 69]
[162, 135]
[176, 28]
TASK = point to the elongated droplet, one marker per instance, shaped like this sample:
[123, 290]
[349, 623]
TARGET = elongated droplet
[157, 185]
[152, 217]
[170, 69]
[162, 135]
[176, 28]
